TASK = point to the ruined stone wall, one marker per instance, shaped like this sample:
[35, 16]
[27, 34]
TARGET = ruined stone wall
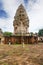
[18, 39]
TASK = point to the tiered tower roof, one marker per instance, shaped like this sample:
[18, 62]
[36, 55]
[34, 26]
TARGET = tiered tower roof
[21, 20]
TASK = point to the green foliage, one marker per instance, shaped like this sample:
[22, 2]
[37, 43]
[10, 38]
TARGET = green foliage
[7, 33]
[40, 33]
[31, 33]
[5, 64]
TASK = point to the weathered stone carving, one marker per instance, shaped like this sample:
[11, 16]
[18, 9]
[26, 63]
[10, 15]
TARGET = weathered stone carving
[21, 21]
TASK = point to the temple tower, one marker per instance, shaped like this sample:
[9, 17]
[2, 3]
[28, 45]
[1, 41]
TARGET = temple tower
[21, 21]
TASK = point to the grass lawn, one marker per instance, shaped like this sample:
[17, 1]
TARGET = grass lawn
[31, 54]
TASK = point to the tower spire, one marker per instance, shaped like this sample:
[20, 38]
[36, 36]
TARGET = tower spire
[21, 17]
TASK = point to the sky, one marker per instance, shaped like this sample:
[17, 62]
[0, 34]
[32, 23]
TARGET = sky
[34, 10]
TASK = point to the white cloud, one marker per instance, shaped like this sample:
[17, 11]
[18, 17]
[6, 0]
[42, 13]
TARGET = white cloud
[10, 7]
[35, 14]
[6, 25]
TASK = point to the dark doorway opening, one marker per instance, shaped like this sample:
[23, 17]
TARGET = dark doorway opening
[0, 40]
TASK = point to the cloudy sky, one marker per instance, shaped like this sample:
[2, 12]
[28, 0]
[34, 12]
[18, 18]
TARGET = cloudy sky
[34, 10]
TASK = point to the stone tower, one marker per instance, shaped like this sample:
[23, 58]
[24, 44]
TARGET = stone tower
[21, 21]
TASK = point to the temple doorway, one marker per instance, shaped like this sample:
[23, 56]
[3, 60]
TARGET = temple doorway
[0, 40]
